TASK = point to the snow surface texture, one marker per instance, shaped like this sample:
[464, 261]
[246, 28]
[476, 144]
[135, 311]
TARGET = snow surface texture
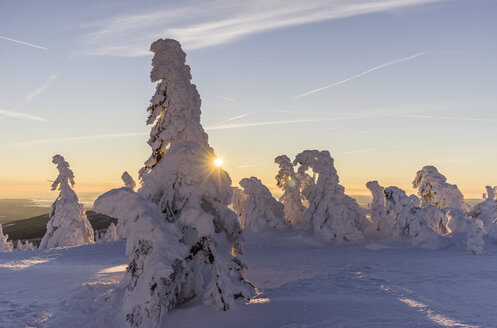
[381, 284]
[258, 209]
[5, 244]
[68, 225]
[331, 214]
[181, 235]
[128, 181]
[287, 180]
[433, 189]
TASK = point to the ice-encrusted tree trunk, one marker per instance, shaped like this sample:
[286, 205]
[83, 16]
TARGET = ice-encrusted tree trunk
[5, 244]
[259, 209]
[128, 181]
[287, 180]
[68, 224]
[331, 214]
[182, 238]
[384, 222]
[433, 189]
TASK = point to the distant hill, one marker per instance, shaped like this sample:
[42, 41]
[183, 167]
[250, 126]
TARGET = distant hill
[35, 227]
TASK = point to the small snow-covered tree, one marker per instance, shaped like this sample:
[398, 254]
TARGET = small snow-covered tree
[331, 214]
[287, 180]
[27, 246]
[384, 222]
[412, 221]
[182, 237]
[5, 244]
[433, 189]
[68, 225]
[259, 209]
[128, 181]
[459, 224]
[112, 233]
[486, 211]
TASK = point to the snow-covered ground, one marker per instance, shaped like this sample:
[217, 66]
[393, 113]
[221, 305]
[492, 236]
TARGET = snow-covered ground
[302, 283]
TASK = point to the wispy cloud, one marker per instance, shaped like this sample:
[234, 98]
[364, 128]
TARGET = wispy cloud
[25, 116]
[42, 88]
[353, 77]
[213, 22]
[22, 42]
[80, 138]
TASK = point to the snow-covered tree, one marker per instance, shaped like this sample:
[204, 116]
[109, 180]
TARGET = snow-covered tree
[5, 244]
[182, 237]
[287, 180]
[433, 189]
[331, 214]
[128, 181]
[27, 246]
[459, 224]
[486, 211]
[259, 209]
[385, 223]
[112, 233]
[68, 225]
[238, 199]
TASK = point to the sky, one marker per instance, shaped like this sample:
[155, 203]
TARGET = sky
[386, 86]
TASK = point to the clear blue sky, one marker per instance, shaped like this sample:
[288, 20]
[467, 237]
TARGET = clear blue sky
[410, 83]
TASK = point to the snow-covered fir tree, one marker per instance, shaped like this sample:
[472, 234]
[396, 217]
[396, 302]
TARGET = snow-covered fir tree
[287, 180]
[182, 237]
[331, 214]
[68, 225]
[259, 209]
[433, 189]
[5, 244]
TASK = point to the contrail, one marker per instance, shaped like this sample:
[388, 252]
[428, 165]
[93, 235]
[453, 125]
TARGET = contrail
[232, 119]
[22, 42]
[223, 98]
[9, 113]
[246, 125]
[364, 73]
[81, 138]
[38, 91]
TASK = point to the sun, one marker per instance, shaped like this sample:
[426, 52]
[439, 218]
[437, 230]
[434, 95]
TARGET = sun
[218, 162]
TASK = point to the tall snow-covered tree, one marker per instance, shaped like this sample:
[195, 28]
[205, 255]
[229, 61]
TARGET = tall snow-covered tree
[5, 244]
[68, 224]
[182, 238]
[331, 214]
[259, 209]
[433, 189]
[287, 180]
